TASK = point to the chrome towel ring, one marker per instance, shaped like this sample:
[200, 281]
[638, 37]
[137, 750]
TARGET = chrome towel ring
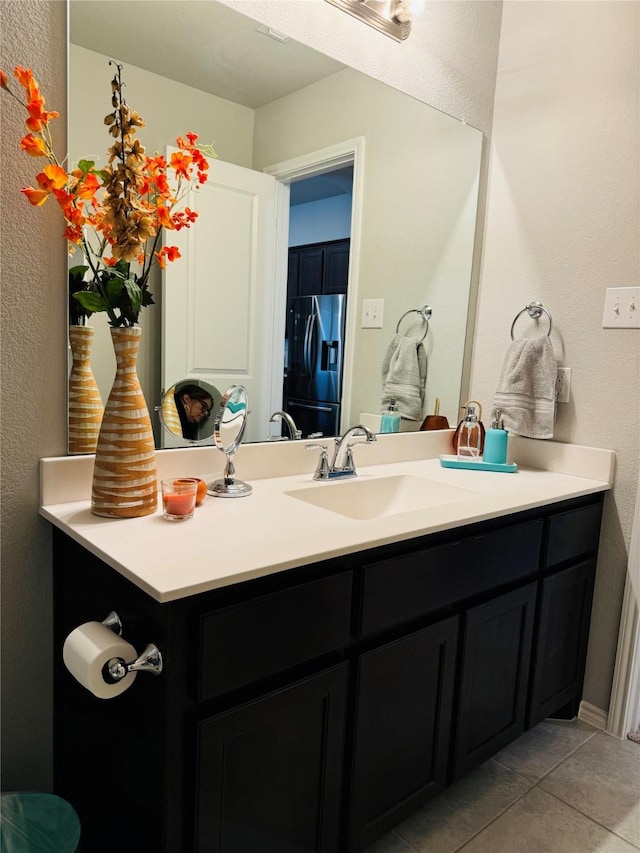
[425, 313]
[534, 309]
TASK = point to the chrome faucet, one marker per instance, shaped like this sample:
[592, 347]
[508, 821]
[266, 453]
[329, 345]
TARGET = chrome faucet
[342, 464]
[292, 429]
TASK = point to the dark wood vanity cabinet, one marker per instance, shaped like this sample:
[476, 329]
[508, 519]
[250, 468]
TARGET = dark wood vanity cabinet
[314, 709]
[403, 710]
[269, 772]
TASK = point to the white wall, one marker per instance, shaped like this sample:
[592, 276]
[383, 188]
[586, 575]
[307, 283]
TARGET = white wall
[562, 224]
[319, 221]
[449, 61]
[420, 190]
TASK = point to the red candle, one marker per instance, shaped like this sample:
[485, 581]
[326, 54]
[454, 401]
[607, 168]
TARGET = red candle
[179, 504]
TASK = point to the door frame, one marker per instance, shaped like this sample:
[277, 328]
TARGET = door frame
[624, 705]
[287, 172]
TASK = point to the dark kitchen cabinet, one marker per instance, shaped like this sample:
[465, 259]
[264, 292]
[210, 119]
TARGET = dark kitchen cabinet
[318, 268]
[312, 709]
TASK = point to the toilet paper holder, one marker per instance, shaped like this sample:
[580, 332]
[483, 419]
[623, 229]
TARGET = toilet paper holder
[116, 669]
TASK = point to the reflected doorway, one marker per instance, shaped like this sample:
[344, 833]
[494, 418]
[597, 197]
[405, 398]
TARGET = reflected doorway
[320, 222]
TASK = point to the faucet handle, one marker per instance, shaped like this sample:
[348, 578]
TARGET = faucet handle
[322, 471]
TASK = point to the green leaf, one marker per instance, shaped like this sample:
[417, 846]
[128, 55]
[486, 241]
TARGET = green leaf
[76, 278]
[90, 300]
[113, 288]
[86, 166]
[135, 295]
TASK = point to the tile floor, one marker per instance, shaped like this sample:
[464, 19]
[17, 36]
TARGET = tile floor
[563, 787]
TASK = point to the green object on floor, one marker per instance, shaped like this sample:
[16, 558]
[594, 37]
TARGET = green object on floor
[32, 822]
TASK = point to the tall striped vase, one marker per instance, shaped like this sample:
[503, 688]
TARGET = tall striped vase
[125, 473]
[85, 402]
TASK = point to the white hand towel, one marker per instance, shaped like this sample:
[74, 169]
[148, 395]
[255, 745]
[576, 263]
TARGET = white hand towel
[404, 373]
[526, 392]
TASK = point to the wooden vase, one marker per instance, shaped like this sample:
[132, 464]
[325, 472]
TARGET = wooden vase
[84, 400]
[125, 472]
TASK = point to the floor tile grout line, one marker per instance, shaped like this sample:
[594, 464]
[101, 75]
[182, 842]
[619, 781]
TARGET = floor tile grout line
[551, 769]
[494, 819]
[532, 784]
[402, 838]
[589, 817]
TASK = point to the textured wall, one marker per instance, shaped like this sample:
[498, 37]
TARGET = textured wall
[33, 345]
[562, 224]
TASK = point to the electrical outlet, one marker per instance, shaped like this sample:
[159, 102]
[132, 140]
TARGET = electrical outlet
[563, 385]
[621, 308]
[372, 313]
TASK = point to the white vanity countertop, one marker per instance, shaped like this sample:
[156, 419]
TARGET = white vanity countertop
[233, 540]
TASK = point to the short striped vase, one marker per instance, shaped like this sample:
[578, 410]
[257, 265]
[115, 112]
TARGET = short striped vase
[125, 480]
[85, 402]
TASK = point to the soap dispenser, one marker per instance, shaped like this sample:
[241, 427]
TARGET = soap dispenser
[495, 441]
[469, 435]
[390, 420]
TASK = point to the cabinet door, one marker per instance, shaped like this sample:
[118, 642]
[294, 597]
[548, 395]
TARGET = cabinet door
[403, 714]
[496, 655]
[336, 267]
[269, 771]
[310, 270]
[561, 643]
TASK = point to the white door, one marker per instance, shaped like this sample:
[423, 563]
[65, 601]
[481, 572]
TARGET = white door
[218, 298]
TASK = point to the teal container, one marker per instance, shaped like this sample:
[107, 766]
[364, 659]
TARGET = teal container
[495, 442]
[390, 420]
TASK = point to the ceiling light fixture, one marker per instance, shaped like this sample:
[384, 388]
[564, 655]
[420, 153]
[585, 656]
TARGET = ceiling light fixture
[391, 17]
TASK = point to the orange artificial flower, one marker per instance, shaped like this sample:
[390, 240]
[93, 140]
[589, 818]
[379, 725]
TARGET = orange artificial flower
[33, 145]
[88, 187]
[164, 217]
[167, 253]
[115, 214]
[36, 197]
[181, 162]
[52, 177]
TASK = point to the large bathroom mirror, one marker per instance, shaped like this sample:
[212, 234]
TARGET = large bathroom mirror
[378, 190]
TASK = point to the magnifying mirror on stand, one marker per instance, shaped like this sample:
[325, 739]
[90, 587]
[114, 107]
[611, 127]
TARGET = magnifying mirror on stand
[187, 410]
[229, 427]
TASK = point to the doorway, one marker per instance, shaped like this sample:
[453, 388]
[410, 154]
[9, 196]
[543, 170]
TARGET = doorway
[320, 212]
[317, 251]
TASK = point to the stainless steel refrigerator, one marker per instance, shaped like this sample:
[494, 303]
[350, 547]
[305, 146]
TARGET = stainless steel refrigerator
[314, 350]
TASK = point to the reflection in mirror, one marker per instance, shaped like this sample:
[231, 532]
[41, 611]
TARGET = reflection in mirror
[187, 411]
[267, 106]
[230, 424]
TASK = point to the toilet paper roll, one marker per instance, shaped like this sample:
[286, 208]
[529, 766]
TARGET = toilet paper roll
[85, 652]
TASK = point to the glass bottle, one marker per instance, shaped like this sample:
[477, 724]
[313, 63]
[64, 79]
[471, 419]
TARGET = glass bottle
[470, 436]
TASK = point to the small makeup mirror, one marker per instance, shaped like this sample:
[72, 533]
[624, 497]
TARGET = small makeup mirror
[229, 427]
[187, 410]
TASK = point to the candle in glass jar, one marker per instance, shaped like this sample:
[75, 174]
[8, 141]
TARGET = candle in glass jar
[179, 498]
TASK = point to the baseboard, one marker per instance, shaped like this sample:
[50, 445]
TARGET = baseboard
[588, 713]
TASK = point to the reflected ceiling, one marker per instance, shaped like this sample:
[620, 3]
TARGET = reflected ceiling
[223, 53]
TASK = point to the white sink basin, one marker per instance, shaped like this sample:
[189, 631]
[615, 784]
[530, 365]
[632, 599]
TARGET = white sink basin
[366, 499]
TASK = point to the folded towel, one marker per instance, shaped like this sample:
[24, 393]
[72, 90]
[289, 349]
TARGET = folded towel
[526, 392]
[404, 373]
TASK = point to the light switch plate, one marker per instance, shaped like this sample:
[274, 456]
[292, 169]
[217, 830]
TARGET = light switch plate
[372, 313]
[621, 308]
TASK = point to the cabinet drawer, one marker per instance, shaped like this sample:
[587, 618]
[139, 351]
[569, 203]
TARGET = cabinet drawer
[573, 534]
[404, 588]
[249, 641]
